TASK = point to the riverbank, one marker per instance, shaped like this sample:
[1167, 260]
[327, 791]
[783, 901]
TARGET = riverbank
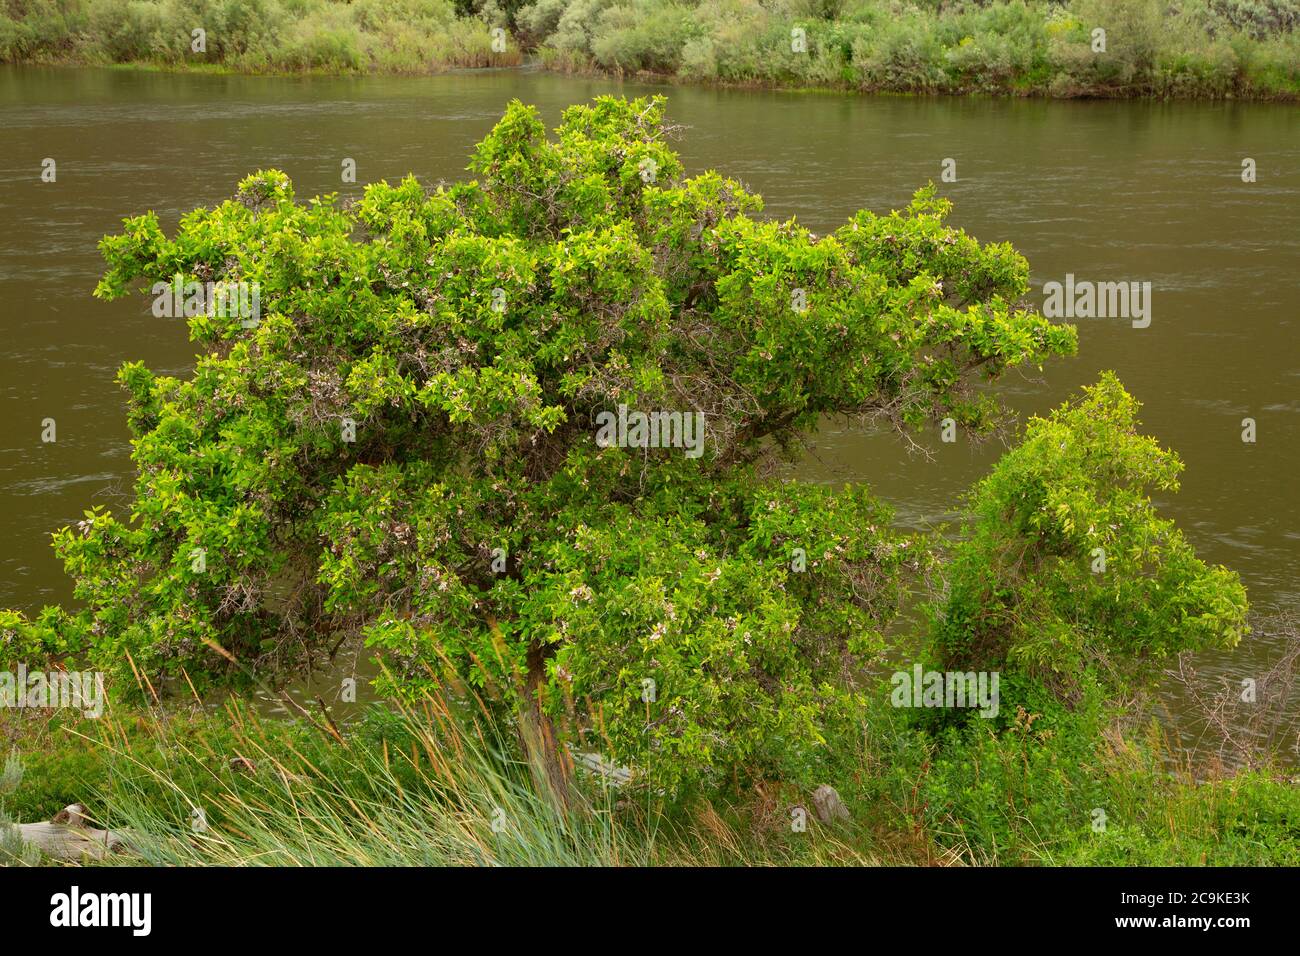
[268, 36]
[1213, 49]
[424, 787]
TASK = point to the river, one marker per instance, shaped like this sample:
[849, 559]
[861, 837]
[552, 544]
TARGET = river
[1101, 190]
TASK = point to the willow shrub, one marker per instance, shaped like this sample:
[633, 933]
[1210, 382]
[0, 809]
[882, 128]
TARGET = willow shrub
[405, 446]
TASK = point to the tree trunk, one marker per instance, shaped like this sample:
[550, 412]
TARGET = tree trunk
[550, 763]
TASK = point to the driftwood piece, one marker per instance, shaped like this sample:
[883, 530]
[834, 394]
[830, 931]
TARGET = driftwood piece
[69, 836]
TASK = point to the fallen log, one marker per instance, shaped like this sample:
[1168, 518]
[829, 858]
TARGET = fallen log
[69, 836]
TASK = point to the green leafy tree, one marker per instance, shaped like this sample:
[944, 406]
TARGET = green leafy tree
[689, 615]
[1067, 575]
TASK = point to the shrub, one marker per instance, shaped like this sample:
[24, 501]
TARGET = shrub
[1067, 574]
[540, 19]
[902, 54]
[473, 526]
[632, 37]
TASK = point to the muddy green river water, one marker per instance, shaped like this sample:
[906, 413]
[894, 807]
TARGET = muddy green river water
[1103, 191]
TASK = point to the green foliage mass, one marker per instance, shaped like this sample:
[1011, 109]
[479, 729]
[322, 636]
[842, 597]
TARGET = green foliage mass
[1201, 48]
[1067, 574]
[1211, 48]
[397, 36]
[475, 531]
[1068, 789]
